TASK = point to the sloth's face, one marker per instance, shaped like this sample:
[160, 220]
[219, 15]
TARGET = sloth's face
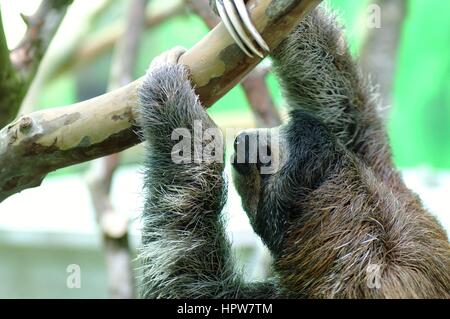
[273, 168]
[257, 160]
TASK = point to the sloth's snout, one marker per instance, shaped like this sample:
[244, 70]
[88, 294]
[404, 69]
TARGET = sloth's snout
[251, 149]
[241, 157]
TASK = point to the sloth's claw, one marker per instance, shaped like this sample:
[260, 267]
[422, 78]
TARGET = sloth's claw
[235, 17]
[168, 57]
[243, 13]
[229, 25]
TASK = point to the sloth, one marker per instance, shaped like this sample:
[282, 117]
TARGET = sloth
[335, 215]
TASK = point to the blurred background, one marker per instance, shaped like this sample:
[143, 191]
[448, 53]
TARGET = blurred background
[403, 44]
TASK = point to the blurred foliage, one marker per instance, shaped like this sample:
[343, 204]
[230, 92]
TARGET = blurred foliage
[419, 127]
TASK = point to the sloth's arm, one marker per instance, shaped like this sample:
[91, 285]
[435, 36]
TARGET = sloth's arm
[185, 252]
[318, 74]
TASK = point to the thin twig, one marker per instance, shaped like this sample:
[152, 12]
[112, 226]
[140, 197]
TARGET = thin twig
[260, 99]
[57, 55]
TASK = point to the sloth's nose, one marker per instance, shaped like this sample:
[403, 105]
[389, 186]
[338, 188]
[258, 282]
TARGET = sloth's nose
[242, 142]
[242, 158]
[250, 150]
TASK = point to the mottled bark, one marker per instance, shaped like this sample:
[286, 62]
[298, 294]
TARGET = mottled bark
[48, 140]
[44, 141]
[17, 78]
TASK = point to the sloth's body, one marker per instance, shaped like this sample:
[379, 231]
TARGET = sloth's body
[336, 216]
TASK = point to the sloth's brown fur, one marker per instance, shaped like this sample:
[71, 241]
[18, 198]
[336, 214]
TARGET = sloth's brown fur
[362, 214]
[353, 222]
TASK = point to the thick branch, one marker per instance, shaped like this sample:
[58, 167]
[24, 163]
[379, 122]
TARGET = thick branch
[48, 140]
[26, 58]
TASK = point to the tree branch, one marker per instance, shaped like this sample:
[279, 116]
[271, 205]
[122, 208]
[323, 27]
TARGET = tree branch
[48, 140]
[10, 83]
[42, 26]
[4, 52]
[56, 56]
[26, 58]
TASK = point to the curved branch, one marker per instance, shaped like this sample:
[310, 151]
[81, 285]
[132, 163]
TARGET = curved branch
[26, 58]
[48, 140]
